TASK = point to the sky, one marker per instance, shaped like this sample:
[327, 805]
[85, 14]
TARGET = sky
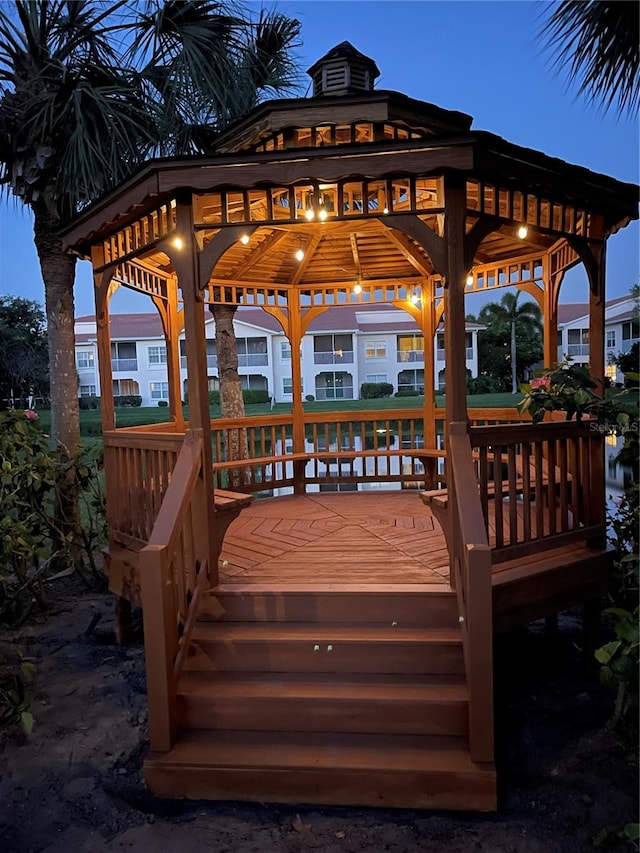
[481, 57]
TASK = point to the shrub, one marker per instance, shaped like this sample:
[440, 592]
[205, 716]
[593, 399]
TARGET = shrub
[86, 403]
[252, 395]
[374, 390]
[310, 398]
[16, 675]
[34, 530]
[122, 400]
[163, 403]
[407, 392]
[484, 385]
[214, 398]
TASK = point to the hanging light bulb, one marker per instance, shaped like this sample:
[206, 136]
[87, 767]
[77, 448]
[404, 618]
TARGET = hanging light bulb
[299, 255]
[414, 298]
[244, 239]
[310, 214]
[385, 210]
[357, 288]
[469, 280]
[178, 242]
[322, 215]
[522, 232]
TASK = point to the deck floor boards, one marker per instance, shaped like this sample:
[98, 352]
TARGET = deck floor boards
[374, 538]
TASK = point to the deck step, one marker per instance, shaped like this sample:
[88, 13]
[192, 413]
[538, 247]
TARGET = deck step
[301, 647]
[432, 605]
[324, 702]
[409, 771]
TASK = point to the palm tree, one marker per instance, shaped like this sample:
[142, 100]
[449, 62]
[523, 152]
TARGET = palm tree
[90, 90]
[508, 318]
[598, 41]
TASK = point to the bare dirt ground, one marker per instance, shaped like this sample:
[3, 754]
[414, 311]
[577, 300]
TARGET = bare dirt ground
[75, 784]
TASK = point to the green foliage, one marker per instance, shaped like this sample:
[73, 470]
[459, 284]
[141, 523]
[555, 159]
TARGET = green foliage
[24, 358]
[255, 395]
[87, 403]
[619, 658]
[563, 387]
[629, 835]
[628, 364]
[16, 676]
[163, 404]
[375, 390]
[34, 527]
[624, 584]
[407, 392]
[124, 400]
[484, 385]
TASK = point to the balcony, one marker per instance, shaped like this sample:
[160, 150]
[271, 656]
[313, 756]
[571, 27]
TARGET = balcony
[577, 349]
[118, 365]
[468, 354]
[253, 359]
[212, 361]
[337, 357]
[408, 355]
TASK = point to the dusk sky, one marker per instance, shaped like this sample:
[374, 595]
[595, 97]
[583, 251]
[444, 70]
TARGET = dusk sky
[482, 58]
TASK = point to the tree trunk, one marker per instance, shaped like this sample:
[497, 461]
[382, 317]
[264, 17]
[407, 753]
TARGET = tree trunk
[514, 366]
[231, 400]
[58, 274]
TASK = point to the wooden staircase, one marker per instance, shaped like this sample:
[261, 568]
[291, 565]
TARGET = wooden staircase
[335, 694]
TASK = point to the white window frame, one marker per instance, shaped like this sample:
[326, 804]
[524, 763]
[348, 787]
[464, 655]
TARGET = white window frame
[376, 377]
[611, 338]
[85, 355]
[153, 386]
[88, 391]
[285, 352]
[159, 357]
[379, 350]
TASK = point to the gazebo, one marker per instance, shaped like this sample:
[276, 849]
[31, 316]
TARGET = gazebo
[307, 646]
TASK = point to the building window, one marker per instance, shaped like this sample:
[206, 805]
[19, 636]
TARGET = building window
[254, 382]
[84, 359]
[610, 372]
[577, 342]
[285, 351]
[411, 380]
[410, 348]
[631, 331]
[124, 387]
[87, 390]
[252, 352]
[124, 356]
[333, 349]
[611, 338]
[376, 377]
[157, 356]
[212, 353]
[375, 349]
[159, 390]
[287, 385]
[334, 386]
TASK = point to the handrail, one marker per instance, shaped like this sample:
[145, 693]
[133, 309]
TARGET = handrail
[471, 567]
[171, 574]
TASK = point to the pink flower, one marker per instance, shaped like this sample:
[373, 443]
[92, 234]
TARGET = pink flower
[31, 415]
[541, 382]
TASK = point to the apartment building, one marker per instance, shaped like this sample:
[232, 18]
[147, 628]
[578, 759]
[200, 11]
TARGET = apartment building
[622, 330]
[345, 347]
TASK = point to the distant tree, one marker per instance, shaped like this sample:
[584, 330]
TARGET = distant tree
[596, 44]
[512, 339]
[24, 362]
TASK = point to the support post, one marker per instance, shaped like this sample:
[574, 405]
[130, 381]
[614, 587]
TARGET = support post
[429, 415]
[297, 408]
[550, 311]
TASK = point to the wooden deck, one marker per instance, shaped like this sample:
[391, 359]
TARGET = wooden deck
[368, 537]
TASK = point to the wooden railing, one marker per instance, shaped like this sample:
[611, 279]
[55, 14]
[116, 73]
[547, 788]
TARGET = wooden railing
[138, 468]
[544, 484]
[471, 577]
[173, 572]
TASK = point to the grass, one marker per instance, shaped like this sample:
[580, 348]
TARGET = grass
[90, 424]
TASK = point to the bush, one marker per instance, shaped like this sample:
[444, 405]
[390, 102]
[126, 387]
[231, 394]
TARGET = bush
[86, 403]
[484, 385]
[35, 528]
[163, 403]
[310, 398]
[252, 395]
[16, 675]
[407, 392]
[122, 400]
[375, 390]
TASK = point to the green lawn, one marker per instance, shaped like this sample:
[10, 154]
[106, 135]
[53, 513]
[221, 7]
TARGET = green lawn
[90, 425]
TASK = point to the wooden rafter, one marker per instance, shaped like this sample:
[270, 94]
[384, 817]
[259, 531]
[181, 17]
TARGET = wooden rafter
[256, 255]
[410, 251]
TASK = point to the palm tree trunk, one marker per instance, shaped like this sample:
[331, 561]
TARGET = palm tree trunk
[58, 274]
[514, 366]
[231, 399]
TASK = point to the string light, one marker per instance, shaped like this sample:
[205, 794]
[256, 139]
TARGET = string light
[244, 239]
[178, 242]
[522, 232]
[357, 288]
[310, 214]
[469, 280]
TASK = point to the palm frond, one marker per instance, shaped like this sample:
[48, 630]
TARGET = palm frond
[596, 44]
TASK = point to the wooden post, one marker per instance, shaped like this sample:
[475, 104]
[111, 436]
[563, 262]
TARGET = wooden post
[429, 416]
[297, 408]
[160, 645]
[168, 310]
[186, 263]
[550, 319]
[101, 293]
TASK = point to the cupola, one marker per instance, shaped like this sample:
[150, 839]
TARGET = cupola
[343, 71]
